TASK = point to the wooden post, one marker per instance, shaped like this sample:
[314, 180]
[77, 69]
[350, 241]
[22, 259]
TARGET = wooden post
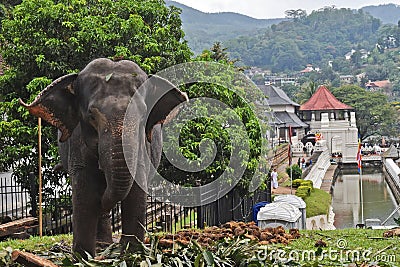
[40, 177]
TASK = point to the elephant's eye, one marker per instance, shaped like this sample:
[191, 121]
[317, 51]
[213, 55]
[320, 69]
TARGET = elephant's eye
[91, 116]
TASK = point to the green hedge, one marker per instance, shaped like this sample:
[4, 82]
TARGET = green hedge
[307, 183]
[297, 182]
[303, 191]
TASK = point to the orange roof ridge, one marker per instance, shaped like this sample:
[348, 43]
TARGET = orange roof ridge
[323, 99]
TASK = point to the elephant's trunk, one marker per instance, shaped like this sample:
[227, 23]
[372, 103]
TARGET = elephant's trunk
[119, 177]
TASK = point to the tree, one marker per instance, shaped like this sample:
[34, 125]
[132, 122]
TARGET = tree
[44, 39]
[215, 128]
[296, 13]
[306, 91]
[374, 114]
[290, 89]
[219, 53]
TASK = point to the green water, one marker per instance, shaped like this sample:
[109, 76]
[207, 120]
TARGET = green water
[378, 200]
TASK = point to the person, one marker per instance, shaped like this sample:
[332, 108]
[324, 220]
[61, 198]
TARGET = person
[274, 178]
[299, 162]
[303, 163]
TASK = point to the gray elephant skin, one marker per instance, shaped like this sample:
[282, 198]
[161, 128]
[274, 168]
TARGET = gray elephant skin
[88, 108]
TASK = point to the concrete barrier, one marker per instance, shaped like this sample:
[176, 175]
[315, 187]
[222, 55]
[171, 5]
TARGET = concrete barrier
[319, 169]
[392, 173]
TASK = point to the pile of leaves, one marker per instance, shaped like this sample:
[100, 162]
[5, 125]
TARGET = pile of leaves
[231, 230]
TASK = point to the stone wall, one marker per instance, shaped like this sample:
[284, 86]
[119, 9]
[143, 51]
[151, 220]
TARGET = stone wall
[318, 170]
[323, 222]
[392, 174]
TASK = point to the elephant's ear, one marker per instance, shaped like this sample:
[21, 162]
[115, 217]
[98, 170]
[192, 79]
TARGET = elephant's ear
[56, 104]
[162, 98]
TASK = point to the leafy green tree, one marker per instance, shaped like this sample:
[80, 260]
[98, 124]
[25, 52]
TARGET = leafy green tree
[44, 39]
[215, 128]
[306, 91]
[295, 13]
[374, 114]
[295, 170]
[290, 89]
[219, 53]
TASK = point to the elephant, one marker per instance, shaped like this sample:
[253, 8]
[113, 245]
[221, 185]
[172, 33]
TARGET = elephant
[88, 108]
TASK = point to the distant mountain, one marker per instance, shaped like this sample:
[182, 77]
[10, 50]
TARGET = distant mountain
[204, 29]
[250, 39]
[324, 35]
[389, 13]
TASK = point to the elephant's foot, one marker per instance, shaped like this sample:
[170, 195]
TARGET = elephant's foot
[104, 233]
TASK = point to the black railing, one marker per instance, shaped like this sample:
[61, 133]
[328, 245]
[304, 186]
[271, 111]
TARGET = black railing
[16, 203]
[14, 200]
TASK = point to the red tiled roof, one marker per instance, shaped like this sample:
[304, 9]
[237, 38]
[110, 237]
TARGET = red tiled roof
[381, 84]
[323, 99]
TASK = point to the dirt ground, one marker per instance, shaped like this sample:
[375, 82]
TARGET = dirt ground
[283, 177]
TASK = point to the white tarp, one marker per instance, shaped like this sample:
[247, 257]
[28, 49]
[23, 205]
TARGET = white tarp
[279, 211]
[296, 201]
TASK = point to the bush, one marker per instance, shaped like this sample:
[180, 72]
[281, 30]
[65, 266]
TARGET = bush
[296, 183]
[296, 171]
[303, 191]
[307, 183]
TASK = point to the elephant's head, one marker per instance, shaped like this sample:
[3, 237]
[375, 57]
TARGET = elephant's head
[96, 100]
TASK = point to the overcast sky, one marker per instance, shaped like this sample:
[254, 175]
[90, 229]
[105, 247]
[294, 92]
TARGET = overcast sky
[276, 8]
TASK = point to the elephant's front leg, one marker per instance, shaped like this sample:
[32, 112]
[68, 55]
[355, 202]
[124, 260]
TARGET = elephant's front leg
[86, 200]
[133, 217]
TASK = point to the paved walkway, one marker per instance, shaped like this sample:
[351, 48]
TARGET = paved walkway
[326, 181]
[328, 178]
[284, 190]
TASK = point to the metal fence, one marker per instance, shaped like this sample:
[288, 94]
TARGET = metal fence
[14, 200]
[17, 202]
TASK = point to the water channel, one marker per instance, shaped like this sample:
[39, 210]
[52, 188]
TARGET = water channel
[378, 199]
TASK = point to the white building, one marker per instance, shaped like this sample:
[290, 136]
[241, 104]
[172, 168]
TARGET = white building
[335, 121]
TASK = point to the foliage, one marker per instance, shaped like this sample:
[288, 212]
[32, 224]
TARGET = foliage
[225, 253]
[308, 183]
[303, 191]
[373, 112]
[47, 39]
[296, 171]
[362, 240]
[297, 182]
[217, 124]
[323, 35]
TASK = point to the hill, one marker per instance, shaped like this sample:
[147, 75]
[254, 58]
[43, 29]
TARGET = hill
[243, 35]
[204, 29]
[322, 36]
[389, 13]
